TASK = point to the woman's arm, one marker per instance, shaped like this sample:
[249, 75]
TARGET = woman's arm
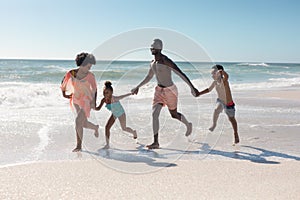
[93, 103]
[64, 84]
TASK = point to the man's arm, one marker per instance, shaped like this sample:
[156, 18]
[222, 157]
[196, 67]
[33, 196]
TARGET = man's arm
[182, 75]
[146, 80]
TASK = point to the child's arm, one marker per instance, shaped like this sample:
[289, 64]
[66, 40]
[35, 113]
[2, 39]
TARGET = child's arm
[101, 104]
[117, 98]
[207, 90]
[224, 75]
[203, 92]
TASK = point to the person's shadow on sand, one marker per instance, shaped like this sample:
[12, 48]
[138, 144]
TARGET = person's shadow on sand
[260, 157]
[242, 155]
[149, 157]
[132, 156]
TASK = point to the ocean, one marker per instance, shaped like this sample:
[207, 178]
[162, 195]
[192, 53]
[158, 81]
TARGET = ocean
[41, 78]
[37, 123]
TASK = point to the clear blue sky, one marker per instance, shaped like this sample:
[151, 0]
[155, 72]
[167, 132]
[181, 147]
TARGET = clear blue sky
[230, 30]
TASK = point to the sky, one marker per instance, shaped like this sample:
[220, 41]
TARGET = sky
[228, 30]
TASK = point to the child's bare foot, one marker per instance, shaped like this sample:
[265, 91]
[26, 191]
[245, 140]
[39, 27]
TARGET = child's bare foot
[77, 149]
[96, 132]
[212, 128]
[106, 146]
[134, 134]
[189, 129]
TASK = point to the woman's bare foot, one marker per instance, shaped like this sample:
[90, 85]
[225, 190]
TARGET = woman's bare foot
[106, 146]
[96, 132]
[134, 134]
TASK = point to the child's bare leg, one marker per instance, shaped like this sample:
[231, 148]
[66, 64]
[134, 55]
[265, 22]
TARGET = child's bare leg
[216, 114]
[92, 126]
[235, 129]
[122, 120]
[108, 126]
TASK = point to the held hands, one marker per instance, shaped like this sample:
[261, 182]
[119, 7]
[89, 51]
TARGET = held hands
[135, 90]
[195, 92]
[100, 105]
[97, 108]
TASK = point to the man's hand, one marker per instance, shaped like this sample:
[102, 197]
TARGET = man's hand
[135, 90]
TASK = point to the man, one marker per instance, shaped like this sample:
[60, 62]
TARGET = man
[166, 91]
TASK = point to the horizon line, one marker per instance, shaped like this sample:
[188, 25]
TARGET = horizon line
[194, 61]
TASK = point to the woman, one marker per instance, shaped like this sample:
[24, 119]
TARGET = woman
[79, 85]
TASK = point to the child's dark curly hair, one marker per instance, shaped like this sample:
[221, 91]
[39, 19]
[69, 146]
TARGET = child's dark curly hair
[83, 59]
[108, 85]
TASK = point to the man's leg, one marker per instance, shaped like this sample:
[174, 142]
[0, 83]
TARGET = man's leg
[155, 125]
[181, 117]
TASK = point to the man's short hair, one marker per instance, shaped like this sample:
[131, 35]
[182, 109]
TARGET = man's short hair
[157, 44]
[218, 67]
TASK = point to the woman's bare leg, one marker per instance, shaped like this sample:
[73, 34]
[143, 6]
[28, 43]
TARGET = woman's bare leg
[92, 126]
[79, 121]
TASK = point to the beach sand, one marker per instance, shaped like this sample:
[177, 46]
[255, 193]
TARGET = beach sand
[187, 180]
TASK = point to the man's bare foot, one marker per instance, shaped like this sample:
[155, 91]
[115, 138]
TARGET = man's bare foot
[154, 145]
[134, 135]
[77, 149]
[96, 132]
[106, 146]
[212, 128]
[189, 129]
